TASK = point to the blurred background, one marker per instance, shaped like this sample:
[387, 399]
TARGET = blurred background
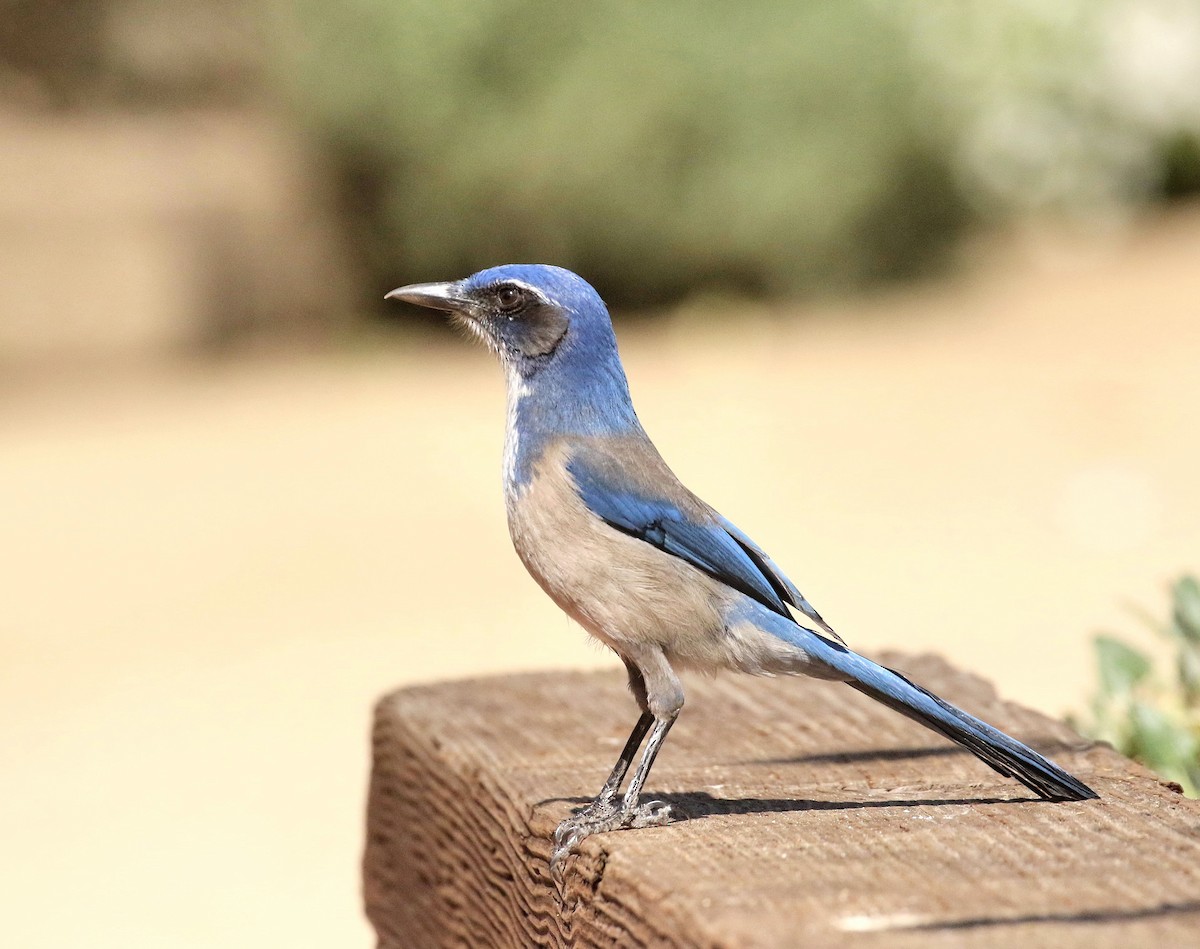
[910, 292]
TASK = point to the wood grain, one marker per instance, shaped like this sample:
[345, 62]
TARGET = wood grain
[815, 818]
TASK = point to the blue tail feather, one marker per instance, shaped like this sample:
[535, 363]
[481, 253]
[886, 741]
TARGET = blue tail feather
[994, 748]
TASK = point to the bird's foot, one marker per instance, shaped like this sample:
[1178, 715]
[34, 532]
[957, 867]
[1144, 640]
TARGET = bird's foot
[599, 817]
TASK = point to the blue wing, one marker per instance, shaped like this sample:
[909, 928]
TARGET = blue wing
[787, 590]
[687, 529]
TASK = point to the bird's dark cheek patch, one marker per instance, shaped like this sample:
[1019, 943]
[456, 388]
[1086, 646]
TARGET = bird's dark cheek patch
[538, 331]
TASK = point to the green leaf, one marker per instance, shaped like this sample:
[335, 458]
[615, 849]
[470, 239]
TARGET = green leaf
[1161, 742]
[1188, 667]
[1187, 609]
[1121, 666]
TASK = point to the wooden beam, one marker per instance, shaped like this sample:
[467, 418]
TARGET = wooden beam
[815, 818]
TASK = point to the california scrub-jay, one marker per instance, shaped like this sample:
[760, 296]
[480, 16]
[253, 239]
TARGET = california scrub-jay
[639, 561]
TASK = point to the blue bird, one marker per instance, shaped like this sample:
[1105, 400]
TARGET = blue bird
[641, 563]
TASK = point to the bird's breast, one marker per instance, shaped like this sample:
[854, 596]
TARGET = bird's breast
[619, 588]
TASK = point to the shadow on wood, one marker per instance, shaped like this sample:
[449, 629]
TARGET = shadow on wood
[814, 817]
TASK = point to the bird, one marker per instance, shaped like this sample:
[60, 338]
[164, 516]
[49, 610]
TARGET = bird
[645, 566]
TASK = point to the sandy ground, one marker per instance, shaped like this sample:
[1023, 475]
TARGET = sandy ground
[209, 574]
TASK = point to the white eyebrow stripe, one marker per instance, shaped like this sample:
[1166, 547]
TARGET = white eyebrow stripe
[528, 287]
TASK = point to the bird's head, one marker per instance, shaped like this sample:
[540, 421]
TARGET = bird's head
[529, 314]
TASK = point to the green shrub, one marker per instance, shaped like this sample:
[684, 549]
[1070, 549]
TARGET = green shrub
[771, 146]
[775, 146]
[1147, 714]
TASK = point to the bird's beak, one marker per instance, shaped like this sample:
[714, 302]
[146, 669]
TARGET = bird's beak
[436, 296]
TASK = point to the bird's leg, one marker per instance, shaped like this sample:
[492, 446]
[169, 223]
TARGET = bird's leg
[634, 792]
[603, 802]
[608, 793]
[661, 705]
[602, 814]
[602, 806]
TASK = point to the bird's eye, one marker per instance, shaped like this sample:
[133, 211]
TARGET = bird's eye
[509, 298]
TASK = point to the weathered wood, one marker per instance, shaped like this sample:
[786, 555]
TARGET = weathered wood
[817, 818]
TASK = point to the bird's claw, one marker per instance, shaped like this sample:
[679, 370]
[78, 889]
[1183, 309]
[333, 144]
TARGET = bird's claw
[599, 818]
[652, 814]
